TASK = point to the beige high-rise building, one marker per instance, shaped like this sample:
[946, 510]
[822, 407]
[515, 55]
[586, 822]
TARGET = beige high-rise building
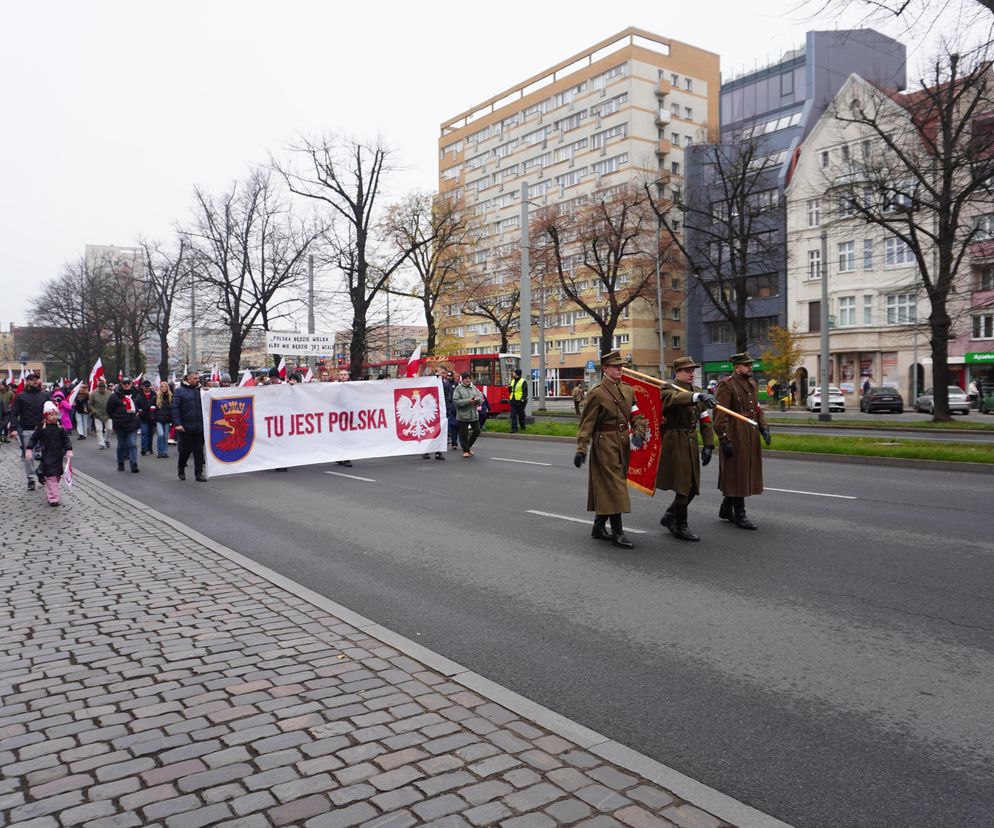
[617, 113]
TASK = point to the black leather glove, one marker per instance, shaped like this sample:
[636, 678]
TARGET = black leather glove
[706, 452]
[766, 435]
[579, 458]
[706, 398]
[727, 451]
[638, 440]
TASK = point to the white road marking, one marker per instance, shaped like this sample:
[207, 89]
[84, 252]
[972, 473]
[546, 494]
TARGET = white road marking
[816, 494]
[352, 476]
[529, 462]
[588, 521]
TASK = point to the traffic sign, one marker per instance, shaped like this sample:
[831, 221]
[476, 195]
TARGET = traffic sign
[590, 365]
[534, 373]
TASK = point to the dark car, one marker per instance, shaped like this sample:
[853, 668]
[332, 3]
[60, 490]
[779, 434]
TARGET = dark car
[882, 399]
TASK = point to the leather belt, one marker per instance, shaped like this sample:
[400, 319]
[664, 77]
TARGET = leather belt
[687, 430]
[615, 429]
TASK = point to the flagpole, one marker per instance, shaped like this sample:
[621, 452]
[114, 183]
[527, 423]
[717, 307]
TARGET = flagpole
[661, 382]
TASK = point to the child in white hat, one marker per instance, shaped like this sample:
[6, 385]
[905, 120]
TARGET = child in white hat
[51, 441]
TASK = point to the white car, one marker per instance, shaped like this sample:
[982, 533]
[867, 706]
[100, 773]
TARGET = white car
[836, 402]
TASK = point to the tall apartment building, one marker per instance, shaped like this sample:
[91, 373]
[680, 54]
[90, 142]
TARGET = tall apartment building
[778, 105]
[621, 111]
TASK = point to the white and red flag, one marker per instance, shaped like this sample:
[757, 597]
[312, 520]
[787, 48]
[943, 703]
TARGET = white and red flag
[282, 368]
[20, 382]
[10, 376]
[308, 377]
[215, 373]
[71, 399]
[247, 380]
[138, 379]
[414, 363]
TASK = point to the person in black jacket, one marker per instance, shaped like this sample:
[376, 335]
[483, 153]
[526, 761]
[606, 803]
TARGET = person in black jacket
[52, 441]
[125, 408]
[188, 417]
[147, 417]
[26, 414]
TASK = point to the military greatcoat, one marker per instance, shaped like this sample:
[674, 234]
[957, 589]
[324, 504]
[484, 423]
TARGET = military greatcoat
[603, 431]
[679, 459]
[742, 474]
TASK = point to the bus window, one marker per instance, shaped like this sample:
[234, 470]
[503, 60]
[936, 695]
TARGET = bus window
[507, 366]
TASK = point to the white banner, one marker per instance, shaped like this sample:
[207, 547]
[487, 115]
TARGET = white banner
[267, 427]
[278, 342]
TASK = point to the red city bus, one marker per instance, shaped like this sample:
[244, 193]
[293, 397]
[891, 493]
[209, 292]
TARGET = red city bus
[491, 373]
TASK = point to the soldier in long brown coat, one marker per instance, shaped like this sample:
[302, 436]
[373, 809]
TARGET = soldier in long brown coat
[608, 411]
[685, 408]
[740, 467]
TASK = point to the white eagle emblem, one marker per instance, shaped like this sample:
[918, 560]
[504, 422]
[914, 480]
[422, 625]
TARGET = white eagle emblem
[417, 414]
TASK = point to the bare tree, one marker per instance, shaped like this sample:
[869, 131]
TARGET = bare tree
[167, 272]
[248, 251]
[729, 232]
[602, 253]
[925, 175]
[493, 293]
[119, 272]
[75, 311]
[345, 176]
[917, 14]
[432, 229]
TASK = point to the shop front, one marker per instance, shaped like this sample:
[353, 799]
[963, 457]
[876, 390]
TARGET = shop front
[718, 370]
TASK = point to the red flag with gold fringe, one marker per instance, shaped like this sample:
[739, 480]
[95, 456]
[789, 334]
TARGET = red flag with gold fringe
[644, 461]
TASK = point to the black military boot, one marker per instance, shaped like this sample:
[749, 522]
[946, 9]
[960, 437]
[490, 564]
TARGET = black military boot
[618, 536]
[599, 531]
[726, 510]
[741, 520]
[680, 529]
[668, 518]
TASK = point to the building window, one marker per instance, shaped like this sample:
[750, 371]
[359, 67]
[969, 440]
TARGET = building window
[902, 309]
[824, 156]
[619, 340]
[847, 257]
[846, 208]
[897, 253]
[985, 279]
[688, 84]
[610, 165]
[675, 79]
[868, 309]
[720, 333]
[844, 149]
[814, 317]
[847, 311]
[814, 264]
[786, 84]
[985, 228]
[688, 113]
[676, 314]
[814, 212]
[675, 167]
[983, 326]
[867, 254]
[763, 287]
[675, 138]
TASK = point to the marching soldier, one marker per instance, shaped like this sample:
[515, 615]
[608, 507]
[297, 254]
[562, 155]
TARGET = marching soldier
[684, 408]
[740, 467]
[608, 411]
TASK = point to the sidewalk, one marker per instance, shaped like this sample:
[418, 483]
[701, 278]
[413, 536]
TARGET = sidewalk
[150, 677]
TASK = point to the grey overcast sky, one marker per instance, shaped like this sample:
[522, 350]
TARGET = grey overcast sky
[112, 111]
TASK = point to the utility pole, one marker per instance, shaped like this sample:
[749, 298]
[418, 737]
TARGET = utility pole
[659, 308]
[193, 324]
[311, 360]
[825, 415]
[541, 349]
[525, 301]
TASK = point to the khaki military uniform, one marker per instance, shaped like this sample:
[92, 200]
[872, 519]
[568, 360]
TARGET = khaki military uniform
[742, 474]
[679, 458]
[603, 432]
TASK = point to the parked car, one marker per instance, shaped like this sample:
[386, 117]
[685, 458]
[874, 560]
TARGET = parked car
[836, 402]
[882, 399]
[959, 402]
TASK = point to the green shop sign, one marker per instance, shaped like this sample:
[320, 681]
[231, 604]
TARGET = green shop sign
[718, 367]
[974, 359]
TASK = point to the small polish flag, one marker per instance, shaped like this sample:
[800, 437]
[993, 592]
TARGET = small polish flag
[247, 380]
[282, 368]
[414, 363]
[138, 379]
[308, 377]
[215, 373]
[174, 378]
[20, 382]
[71, 399]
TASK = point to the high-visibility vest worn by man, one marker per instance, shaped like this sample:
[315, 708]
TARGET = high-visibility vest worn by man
[517, 393]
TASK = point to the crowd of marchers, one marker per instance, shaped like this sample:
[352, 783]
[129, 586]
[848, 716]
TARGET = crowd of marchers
[146, 419]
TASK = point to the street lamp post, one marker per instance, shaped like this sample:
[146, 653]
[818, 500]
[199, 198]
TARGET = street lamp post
[659, 307]
[525, 298]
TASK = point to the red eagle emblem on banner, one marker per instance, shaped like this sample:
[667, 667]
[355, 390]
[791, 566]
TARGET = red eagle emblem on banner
[418, 413]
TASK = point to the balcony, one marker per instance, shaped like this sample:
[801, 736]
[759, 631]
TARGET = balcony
[664, 87]
[664, 148]
[663, 117]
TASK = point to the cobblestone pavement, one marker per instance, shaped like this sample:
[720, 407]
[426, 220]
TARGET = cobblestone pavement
[147, 679]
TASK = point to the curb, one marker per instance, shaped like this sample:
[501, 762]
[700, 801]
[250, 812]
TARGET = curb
[858, 459]
[696, 793]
